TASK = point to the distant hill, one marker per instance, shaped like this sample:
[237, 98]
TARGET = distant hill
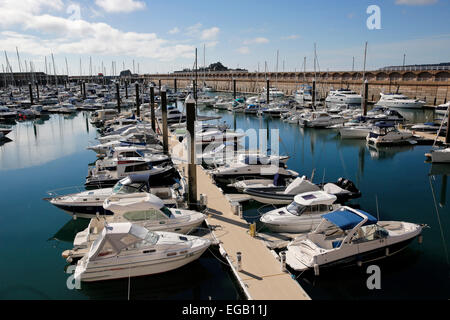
[218, 66]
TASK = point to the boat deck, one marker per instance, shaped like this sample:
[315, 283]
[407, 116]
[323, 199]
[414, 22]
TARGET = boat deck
[261, 274]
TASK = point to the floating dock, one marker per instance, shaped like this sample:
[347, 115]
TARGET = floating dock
[260, 276]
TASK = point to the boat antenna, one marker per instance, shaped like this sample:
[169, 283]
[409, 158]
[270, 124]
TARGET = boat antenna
[378, 212]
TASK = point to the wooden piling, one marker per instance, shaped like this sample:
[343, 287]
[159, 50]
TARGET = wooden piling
[366, 95]
[138, 102]
[192, 167]
[152, 106]
[164, 120]
[118, 97]
[31, 93]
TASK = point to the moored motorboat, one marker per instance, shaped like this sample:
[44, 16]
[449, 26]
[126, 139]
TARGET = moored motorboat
[348, 236]
[128, 250]
[303, 214]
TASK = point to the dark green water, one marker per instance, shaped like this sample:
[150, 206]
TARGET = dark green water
[402, 183]
[51, 154]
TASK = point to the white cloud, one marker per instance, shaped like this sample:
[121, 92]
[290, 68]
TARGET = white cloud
[193, 30]
[174, 30]
[291, 37]
[415, 2]
[210, 34]
[258, 40]
[243, 50]
[211, 44]
[63, 35]
[115, 6]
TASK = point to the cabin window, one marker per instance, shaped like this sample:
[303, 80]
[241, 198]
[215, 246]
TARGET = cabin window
[166, 211]
[152, 214]
[296, 209]
[138, 167]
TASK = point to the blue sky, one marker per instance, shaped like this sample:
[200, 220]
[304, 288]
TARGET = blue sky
[161, 36]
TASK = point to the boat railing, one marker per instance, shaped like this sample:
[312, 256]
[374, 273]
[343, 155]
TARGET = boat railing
[260, 212]
[66, 191]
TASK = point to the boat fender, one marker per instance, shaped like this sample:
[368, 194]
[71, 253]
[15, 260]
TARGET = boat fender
[316, 269]
[387, 251]
[420, 239]
[359, 263]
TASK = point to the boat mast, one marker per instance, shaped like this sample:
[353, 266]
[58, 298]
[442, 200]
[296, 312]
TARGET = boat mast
[54, 70]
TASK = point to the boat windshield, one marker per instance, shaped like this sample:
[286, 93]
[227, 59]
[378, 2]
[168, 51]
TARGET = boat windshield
[166, 211]
[120, 188]
[295, 208]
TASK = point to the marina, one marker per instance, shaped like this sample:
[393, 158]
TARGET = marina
[233, 218]
[147, 173]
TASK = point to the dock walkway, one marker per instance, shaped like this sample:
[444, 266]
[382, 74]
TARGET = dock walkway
[260, 272]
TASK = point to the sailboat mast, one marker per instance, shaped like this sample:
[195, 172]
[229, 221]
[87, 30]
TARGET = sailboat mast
[54, 70]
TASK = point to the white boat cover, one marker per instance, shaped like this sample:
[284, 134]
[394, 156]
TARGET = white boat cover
[300, 185]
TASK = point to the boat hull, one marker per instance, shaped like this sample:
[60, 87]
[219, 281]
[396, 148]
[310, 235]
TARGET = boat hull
[136, 269]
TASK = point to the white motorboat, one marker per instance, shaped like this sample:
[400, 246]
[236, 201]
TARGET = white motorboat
[442, 109]
[303, 94]
[343, 96]
[319, 119]
[7, 114]
[100, 116]
[355, 132]
[349, 236]
[397, 100]
[128, 250]
[107, 178]
[89, 204]
[441, 155]
[343, 189]
[273, 93]
[250, 166]
[301, 215]
[384, 133]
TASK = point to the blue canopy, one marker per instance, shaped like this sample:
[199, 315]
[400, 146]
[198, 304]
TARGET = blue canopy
[383, 124]
[346, 219]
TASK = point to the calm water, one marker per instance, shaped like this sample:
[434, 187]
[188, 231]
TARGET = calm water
[51, 154]
[401, 182]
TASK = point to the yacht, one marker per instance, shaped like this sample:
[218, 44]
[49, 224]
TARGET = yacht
[355, 132]
[397, 100]
[248, 166]
[147, 211]
[126, 250]
[302, 215]
[107, 178]
[441, 155]
[100, 116]
[7, 114]
[343, 96]
[442, 109]
[303, 94]
[273, 93]
[348, 236]
[319, 119]
[89, 204]
[384, 133]
[343, 189]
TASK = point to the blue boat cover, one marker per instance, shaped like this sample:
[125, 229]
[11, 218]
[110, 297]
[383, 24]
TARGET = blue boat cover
[345, 219]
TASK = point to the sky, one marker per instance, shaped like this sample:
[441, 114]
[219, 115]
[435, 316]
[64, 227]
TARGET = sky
[161, 36]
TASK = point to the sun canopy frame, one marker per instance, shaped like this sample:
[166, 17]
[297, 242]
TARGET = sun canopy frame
[346, 219]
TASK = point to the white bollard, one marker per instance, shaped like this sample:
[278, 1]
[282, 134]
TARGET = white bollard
[239, 261]
[283, 261]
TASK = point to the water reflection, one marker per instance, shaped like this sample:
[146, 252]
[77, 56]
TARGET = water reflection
[35, 144]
